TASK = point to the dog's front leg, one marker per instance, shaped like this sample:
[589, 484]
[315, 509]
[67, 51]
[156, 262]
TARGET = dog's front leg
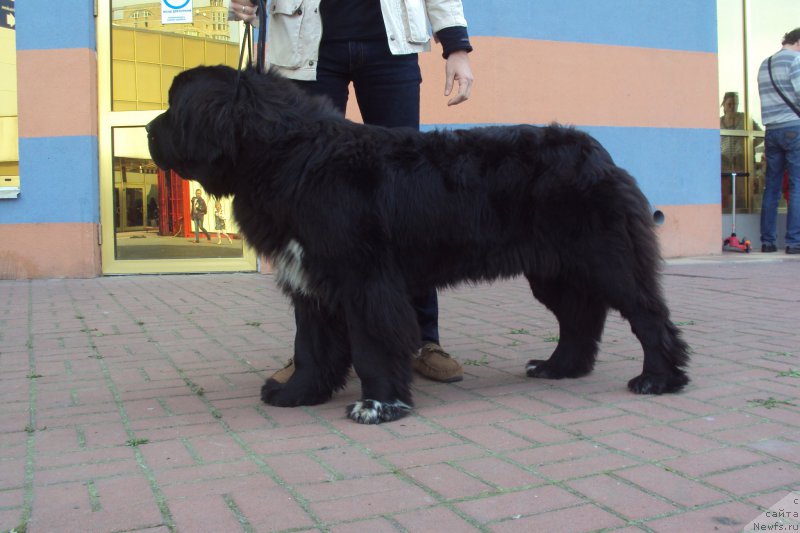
[383, 335]
[321, 357]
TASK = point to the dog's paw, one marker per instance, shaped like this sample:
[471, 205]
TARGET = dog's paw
[270, 392]
[544, 369]
[290, 395]
[538, 368]
[375, 412]
[657, 384]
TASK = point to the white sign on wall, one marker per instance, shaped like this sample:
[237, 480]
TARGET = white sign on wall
[176, 11]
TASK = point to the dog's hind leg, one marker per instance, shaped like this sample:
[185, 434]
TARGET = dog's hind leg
[630, 283]
[581, 319]
[383, 335]
[665, 353]
[321, 358]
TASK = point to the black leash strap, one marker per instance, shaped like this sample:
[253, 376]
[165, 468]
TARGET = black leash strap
[247, 43]
[261, 49]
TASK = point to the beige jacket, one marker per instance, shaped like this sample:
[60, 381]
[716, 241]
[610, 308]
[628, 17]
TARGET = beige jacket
[295, 29]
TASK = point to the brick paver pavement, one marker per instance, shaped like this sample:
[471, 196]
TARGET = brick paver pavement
[132, 404]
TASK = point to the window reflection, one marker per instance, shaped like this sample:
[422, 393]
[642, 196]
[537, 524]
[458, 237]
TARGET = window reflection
[732, 147]
[147, 54]
[153, 216]
[741, 135]
[9, 138]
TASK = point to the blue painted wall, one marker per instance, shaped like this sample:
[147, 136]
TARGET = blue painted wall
[58, 175]
[58, 182]
[669, 24]
[51, 24]
[671, 165]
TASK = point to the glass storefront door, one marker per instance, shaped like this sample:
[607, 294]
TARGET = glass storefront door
[748, 32]
[153, 220]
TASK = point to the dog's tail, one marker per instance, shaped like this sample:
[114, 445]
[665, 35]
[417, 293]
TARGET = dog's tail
[643, 250]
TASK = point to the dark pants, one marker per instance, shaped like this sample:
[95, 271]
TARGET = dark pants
[387, 89]
[198, 227]
[782, 150]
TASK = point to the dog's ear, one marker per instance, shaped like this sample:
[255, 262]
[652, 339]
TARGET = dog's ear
[269, 104]
[203, 107]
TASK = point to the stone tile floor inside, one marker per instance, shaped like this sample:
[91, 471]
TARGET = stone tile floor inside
[132, 404]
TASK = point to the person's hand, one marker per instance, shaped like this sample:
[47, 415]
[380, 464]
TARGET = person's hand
[243, 10]
[457, 69]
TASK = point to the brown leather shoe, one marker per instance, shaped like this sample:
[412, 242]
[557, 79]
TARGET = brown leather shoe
[283, 375]
[436, 364]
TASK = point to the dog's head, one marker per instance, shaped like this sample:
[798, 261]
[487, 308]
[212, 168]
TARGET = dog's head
[219, 119]
[198, 135]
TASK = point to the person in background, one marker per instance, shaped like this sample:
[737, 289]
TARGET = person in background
[732, 148]
[325, 45]
[199, 210]
[152, 211]
[779, 91]
[219, 222]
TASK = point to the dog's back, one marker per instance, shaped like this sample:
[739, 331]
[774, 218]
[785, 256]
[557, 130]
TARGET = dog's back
[502, 201]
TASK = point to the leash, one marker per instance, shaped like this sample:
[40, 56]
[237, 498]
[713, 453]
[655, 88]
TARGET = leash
[247, 44]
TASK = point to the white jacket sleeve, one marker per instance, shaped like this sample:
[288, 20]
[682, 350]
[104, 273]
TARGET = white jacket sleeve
[445, 13]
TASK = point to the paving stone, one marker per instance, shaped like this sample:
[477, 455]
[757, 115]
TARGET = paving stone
[147, 417]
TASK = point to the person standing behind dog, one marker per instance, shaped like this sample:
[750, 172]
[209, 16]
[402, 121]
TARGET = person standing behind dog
[324, 45]
[781, 118]
[199, 210]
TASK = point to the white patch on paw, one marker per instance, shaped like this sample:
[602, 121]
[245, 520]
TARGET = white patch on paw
[533, 364]
[374, 412]
[289, 273]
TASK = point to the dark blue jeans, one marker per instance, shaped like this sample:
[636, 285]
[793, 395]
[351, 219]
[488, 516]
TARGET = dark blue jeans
[782, 148]
[387, 89]
[198, 227]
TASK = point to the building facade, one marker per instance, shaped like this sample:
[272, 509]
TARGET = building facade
[644, 77]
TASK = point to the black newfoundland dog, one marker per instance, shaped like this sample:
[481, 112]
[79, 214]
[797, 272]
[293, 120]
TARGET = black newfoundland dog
[356, 218]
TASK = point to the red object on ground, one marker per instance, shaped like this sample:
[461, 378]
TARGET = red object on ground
[733, 244]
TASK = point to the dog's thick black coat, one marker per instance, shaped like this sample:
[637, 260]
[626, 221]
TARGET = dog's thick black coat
[355, 218]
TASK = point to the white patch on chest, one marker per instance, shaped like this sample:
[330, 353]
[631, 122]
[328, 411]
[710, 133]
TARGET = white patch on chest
[289, 273]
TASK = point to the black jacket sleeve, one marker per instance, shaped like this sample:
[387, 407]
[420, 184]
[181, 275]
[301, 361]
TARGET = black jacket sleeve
[453, 39]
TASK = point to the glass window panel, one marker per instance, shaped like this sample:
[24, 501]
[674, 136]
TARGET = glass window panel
[9, 137]
[148, 83]
[148, 47]
[139, 38]
[767, 22]
[153, 209]
[122, 45]
[171, 51]
[748, 32]
[730, 43]
[123, 78]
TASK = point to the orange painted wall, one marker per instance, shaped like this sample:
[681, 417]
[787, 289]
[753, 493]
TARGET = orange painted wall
[57, 92]
[538, 82]
[57, 100]
[63, 250]
[690, 230]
